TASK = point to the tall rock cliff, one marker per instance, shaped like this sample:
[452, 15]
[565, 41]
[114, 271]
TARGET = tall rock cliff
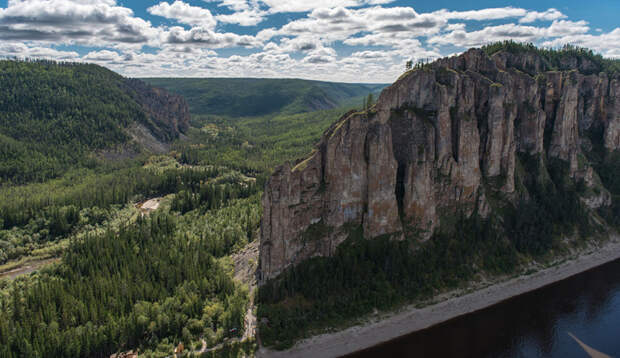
[444, 137]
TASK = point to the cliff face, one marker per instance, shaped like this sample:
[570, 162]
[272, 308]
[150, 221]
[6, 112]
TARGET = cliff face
[442, 138]
[166, 114]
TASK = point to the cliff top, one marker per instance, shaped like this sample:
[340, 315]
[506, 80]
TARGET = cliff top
[566, 58]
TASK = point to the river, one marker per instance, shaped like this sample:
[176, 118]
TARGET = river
[535, 324]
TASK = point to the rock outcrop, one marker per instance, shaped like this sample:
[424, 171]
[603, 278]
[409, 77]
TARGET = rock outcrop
[166, 114]
[442, 137]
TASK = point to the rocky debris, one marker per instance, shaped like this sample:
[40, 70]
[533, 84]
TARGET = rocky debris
[441, 138]
[245, 263]
[148, 206]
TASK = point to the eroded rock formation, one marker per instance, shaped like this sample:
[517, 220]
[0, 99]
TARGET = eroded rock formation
[441, 137]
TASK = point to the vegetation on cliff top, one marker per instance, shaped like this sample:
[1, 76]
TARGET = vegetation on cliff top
[556, 59]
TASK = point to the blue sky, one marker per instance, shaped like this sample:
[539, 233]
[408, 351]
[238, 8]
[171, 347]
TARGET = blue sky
[336, 40]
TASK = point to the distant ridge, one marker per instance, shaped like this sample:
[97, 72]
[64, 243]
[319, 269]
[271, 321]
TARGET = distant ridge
[244, 97]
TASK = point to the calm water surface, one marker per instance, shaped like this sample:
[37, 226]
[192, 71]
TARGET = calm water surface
[535, 324]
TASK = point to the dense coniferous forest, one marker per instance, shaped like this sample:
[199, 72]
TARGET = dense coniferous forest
[124, 289]
[144, 282]
[34, 217]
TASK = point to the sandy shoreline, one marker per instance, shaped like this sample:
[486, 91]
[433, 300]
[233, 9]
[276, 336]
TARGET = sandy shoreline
[412, 319]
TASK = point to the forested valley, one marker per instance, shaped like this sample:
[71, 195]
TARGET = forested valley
[116, 277]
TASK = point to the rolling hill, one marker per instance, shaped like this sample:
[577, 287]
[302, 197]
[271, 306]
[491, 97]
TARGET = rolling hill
[53, 115]
[248, 97]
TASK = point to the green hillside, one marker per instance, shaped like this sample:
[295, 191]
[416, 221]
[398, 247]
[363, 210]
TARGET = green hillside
[244, 97]
[53, 114]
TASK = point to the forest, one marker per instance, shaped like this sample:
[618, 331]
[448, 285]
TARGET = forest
[556, 59]
[126, 280]
[145, 282]
[124, 289]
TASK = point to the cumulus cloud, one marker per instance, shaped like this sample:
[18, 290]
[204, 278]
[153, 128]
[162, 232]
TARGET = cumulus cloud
[71, 21]
[244, 13]
[370, 54]
[276, 6]
[20, 50]
[184, 13]
[462, 38]
[103, 23]
[550, 14]
[243, 18]
[607, 44]
[483, 14]
[207, 37]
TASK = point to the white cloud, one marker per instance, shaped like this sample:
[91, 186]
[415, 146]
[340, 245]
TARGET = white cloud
[607, 44]
[184, 13]
[20, 50]
[243, 18]
[549, 15]
[565, 27]
[208, 38]
[276, 6]
[103, 56]
[71, 21]
[245, 13]
[105, 24]
[236, 5]
[483, 14]
[460, 37]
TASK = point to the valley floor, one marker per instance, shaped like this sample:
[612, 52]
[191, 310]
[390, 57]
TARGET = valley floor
[412, 318]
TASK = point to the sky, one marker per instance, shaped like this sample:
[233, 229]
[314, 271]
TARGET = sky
[331, 40]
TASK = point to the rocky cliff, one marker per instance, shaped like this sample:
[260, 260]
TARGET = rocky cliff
[447, 136]
[166, 114]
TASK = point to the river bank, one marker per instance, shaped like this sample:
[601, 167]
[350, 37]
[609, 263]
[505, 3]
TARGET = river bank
[411, 319]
